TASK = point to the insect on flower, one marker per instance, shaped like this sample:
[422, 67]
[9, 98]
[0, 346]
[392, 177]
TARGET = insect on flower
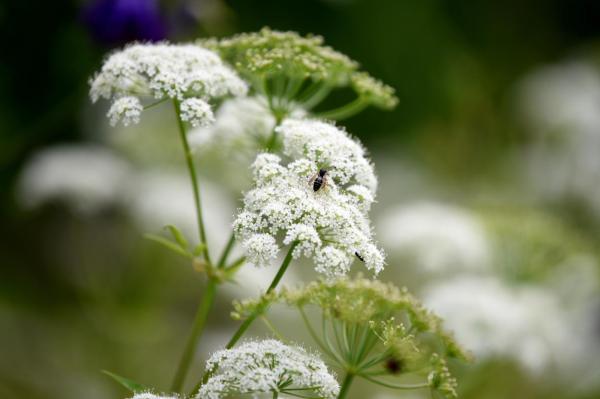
[359, 256]
[319, 180]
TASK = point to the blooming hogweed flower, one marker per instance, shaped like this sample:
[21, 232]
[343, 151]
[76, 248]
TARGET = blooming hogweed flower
[327, 225]
[308, 69]
[331, 148]
[265, 367]
[186, 73]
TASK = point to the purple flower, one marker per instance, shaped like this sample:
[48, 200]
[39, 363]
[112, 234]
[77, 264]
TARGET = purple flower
[118, 21]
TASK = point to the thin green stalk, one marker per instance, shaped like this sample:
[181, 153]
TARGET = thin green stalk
[344, 111]
[226, 251]
[395, 386]
[197, 328]
[314, 95]
[211, 287]
[271, 327]
[192, 170]
[314, 336]
[242, 329]
[346, 385]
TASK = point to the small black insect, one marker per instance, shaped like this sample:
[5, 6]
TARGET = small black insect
[359, 257]
[393, 366]
[319, 180]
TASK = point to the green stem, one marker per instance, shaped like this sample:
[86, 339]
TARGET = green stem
[314, 95]
[395, 386]
[198, 327]
[226, 251]
[192, 170]
[344, 111]
[346, 385]
[242, 329]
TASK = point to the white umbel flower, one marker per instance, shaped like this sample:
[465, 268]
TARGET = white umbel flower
[125, 109]
[266, 367]
[197, 112]
[493, 319]
[436, 237]
[150, 395]
[242, 125]
[163, 71]
[88, 178]
[326, 224]
[260, 249]
[329, 147]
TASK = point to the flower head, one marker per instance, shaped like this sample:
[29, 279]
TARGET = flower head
[150, 395]
[87, 178]
[436, 238]
[375, 321]
[330, 148]
[326, 224]
[165, 71]
[242, 125]
[267, 54]
[265, 367]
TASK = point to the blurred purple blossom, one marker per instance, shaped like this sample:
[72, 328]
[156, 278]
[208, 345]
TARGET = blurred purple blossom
[118, 21]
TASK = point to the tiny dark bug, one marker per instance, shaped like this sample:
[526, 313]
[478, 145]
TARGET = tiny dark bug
[319, 180]
[394, 366]
[359, 257]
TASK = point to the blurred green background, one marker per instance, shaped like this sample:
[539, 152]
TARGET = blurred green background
[84, 292]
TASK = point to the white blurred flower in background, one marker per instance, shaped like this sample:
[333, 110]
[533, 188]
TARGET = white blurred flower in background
[493, 319]
[157, 198]
[242, 124]
[88, 178]
[436, 237]
[561, 107]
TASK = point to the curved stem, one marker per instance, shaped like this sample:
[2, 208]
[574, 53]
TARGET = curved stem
[345, 111]
[198, 327]
[395, 386]
[346, 385]
[314, 95]
[242, 329]
[192, 170]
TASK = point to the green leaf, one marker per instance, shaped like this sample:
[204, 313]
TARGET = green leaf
[178, 235]
[126, 382]
[198, 249]
[168, 244]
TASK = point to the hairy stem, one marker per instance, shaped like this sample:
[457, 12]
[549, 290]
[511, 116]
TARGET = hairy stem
[197, 328]
[346, 385]
[192, 170]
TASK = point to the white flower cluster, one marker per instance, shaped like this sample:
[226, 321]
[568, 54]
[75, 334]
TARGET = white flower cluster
[493, 319]
[126, 109]
[182, 72]
[560, 104]
[197, 112]
[330, 224]
[329, 148]
[150, 395]
[265, 367]
[436, 237]
[242, 125]
[87, 178]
